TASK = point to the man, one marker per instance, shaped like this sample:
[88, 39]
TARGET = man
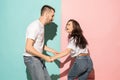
[33, 56]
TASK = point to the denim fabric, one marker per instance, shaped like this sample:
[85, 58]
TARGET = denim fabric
[81, 68]
[36, 68]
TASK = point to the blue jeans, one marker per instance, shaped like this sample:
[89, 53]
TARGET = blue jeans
[36, 68]
[81, 68]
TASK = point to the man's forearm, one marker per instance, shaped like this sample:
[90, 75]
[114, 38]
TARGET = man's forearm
[34, 52]
[50, 50]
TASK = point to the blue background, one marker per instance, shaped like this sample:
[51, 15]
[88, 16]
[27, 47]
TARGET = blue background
[15, 16]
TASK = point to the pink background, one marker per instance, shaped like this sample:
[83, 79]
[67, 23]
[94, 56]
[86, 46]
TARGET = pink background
[100, 21]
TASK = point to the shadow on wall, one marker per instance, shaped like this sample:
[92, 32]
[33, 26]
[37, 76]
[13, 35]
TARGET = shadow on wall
[71, 60]
[92, 73]
[50, 33]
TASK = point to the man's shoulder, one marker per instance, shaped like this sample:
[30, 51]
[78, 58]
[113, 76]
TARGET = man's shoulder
[35, 22]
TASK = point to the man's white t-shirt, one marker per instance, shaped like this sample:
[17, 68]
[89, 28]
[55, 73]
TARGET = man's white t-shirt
[35, 31]
[75, 50]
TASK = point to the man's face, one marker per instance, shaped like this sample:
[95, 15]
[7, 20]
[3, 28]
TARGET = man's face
[50, 16]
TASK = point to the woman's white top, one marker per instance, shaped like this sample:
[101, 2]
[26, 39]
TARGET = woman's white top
[75, 50]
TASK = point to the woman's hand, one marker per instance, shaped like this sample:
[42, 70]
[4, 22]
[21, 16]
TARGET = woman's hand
[55, 53]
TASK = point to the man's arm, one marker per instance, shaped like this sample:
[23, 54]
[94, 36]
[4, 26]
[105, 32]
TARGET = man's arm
[30, 49]
[46, 48]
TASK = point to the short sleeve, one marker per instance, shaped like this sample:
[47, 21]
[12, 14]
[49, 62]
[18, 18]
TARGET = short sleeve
[32, 32]
[71, 44]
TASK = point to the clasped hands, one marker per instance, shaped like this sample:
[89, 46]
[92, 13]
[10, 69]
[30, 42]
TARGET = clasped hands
[51, 58]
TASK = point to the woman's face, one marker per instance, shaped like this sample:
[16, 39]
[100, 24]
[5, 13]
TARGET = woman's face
[69, 27]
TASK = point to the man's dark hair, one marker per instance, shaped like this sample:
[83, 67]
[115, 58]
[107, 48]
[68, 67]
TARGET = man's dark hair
[46, 8]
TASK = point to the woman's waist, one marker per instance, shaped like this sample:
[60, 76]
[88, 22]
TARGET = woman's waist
[79, 54]
[83, 54]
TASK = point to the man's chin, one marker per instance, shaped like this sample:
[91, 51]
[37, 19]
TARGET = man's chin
[49, 22]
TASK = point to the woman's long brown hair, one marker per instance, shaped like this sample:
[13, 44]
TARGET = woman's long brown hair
[77, 34]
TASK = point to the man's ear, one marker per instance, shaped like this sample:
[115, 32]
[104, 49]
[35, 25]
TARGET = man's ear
[46, 13]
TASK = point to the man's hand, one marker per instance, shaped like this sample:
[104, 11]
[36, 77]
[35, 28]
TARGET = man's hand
[52, 58]
[48, 59]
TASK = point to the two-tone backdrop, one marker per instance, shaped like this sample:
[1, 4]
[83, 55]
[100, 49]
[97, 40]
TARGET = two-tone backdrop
[99, 19]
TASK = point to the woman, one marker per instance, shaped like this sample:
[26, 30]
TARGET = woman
[77, 47]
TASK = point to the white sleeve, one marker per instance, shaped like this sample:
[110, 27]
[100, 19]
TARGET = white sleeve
[32, 32]
[71, 44]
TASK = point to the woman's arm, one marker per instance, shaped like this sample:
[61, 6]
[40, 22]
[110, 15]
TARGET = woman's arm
[61, 54]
